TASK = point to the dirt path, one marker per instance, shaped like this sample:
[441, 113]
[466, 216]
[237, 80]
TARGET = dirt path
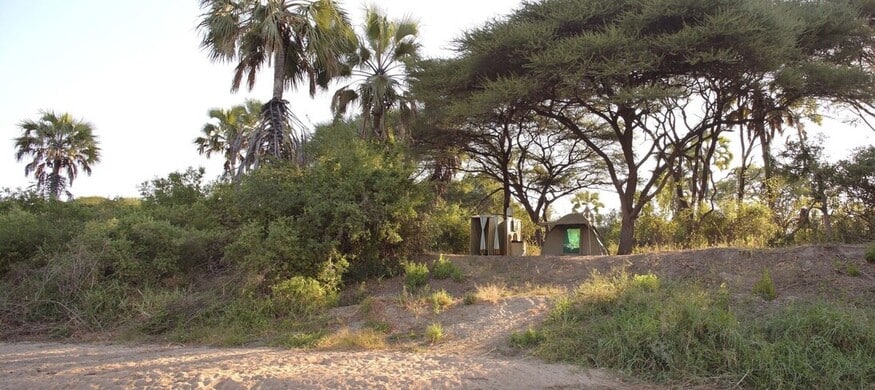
[50, 365]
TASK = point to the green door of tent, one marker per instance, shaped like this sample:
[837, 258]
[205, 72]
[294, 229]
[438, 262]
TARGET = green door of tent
[572, 241]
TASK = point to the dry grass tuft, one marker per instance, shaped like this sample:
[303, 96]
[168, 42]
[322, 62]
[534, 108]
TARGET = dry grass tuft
[363, 339]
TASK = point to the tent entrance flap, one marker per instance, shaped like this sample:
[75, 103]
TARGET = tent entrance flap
[572, 241]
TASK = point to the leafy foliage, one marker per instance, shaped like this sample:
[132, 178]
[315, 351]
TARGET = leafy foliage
[59, 146]
[415, 276]
[387, 53]
[443, 268]
[302, 296]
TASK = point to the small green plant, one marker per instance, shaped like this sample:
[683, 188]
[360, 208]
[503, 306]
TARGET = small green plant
[470, 298]
[415, 276]
[765, 287]
[434, 333]
[530, 338]
[852, 270]
[870, 255]
[443, 269]
[440, 300]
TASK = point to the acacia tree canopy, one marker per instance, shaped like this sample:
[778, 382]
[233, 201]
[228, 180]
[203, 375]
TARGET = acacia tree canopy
[657, 77]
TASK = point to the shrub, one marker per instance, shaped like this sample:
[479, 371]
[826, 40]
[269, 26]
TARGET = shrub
[22, 235]
[764, 287]
[283, 251]
[302, 296]
[870, 255]
[434, 333]
[470, 298]
[447, 225]
[440, 300]
[415, 276]
[443, 268]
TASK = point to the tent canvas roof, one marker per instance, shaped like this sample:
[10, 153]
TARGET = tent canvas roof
[570, 219]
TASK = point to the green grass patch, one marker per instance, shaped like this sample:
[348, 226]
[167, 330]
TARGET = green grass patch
[685, 334]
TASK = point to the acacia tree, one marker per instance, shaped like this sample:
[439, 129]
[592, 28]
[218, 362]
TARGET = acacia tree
[228, 132]
[387, 55]
[534, 161]
[306, 42]
[659, 77]
[59, 147]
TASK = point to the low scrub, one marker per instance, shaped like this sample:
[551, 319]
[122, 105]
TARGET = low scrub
[443, 269]
[687, 335]
[415, 276]
[870, 255]
[363, 339]
[434, 333]
[440, 300]
[765, 287]
[302, 296]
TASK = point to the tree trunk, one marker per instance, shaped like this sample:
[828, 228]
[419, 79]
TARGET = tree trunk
[627, 232]
[279, 73]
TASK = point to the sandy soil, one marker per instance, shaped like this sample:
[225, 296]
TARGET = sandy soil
[50, 365]
[474, 353]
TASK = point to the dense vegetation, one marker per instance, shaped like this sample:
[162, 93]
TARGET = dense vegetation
[665, 331]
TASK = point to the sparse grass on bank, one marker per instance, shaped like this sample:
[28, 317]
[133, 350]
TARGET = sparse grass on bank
[684, 334]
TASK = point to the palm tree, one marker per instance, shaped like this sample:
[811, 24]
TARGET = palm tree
[59, 146]
[386, 57]
[228, 133]
[304, 41]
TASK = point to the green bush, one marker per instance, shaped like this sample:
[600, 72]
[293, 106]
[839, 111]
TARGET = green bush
[302, 296]
[284, 251]
[870, 255]
[357, 201]
[447, 226]
[415, 276]
[22, 236]
[443, 268]
[765, 287]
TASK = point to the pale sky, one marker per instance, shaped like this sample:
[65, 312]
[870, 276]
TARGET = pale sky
[134, 69]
